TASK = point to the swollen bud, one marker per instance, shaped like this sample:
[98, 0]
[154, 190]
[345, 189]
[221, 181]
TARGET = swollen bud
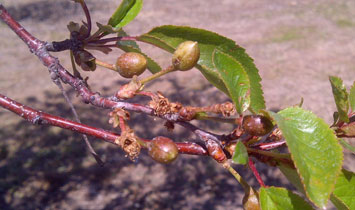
[257, 125]
[163, 150]
[130, 64]
[186, 55]
[251, 200]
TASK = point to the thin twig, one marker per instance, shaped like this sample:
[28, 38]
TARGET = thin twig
[87, 142]
[114, 39]
[237, 176]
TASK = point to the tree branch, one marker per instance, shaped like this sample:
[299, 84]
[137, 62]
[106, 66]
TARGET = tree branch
[41, 118]
[40, 49]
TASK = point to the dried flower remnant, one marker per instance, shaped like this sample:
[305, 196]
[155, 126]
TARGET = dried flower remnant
[129, 142]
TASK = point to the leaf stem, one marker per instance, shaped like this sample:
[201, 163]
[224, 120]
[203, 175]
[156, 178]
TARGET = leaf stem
[269, 154]
[113, 39]
[255, 172]
[158, 74]
[106, 65]
[88, 18]
[237, 176]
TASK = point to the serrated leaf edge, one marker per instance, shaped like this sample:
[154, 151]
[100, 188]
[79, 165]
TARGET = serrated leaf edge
[282, 188]
[339, 200]
[242, 67]
[296, 167]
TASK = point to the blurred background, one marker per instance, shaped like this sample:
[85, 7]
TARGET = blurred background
[295, 44]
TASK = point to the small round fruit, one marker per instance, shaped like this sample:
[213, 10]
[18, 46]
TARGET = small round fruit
[130, 64]
[163, 150]
[186, 55]
[257, 125]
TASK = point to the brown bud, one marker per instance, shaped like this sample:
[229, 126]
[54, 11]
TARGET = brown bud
[163, 150]
[257, 125]
[215, 151]
[130, 64]
[85, 60]
[186, 55]
[129, 90]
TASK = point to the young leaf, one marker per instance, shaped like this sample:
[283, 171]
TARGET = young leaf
[352, 97]
[240, 155]
[235, 78]
[169, 37]
[125, 13]
[314, 149]
[340, 97]
[132, 46]
[344, 190]
[281, 198]
[106, 28]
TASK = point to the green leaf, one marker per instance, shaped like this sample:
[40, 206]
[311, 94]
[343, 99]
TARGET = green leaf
[338, 203]
[292, 176]
[235, 78]
[169, 37]
[131, 46]
[347, 146]
[240, 155]
[125, 13]
[281, 198]
[345, 188]
[314, 149]
[340, 97]
[352, 97]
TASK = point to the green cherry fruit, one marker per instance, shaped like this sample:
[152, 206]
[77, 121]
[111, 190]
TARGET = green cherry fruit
[130, 64]
[186, 55]
[163, 150]
[257, 125]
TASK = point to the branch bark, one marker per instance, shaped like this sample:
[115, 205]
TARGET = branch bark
[41, 118]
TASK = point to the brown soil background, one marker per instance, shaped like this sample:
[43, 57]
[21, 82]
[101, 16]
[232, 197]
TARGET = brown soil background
[295, 44]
